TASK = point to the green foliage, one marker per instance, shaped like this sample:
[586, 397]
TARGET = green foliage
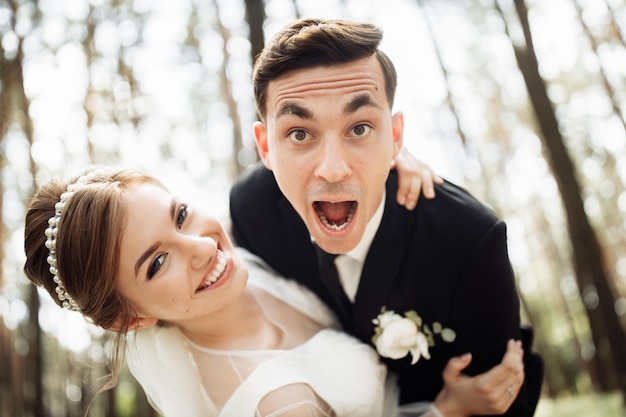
[599, 405]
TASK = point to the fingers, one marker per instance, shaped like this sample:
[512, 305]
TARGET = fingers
[409, 187]
[429, 179]
[509, 369]
[502, 383]
[414, 176]
[455, 366]
[409, 179]
[513, 364]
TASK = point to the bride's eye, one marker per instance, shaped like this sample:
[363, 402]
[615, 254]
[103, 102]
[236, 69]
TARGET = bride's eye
[156, 265]
[181, 216]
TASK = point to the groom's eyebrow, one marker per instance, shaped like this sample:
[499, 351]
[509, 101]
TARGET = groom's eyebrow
[362, 100]
[154, 247]
[293, 109]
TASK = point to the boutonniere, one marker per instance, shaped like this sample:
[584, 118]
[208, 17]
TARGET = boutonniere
[396, 336]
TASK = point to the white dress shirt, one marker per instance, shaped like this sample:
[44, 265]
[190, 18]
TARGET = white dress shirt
[350, 265]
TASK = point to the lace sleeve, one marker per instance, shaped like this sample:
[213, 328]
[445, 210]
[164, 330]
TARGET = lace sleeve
[420, 409]
[159, 361]
[295, 400]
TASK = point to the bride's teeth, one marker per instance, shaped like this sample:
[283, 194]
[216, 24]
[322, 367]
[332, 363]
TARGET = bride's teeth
[217, 271]
[219, 268]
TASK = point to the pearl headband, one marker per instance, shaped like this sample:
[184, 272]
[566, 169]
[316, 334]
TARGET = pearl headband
[51, 242]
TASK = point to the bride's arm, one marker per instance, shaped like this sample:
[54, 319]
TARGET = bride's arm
[415, 177]
[295, 400]
[492, 392]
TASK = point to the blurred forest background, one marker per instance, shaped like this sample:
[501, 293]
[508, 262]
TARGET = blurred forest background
[522, 102]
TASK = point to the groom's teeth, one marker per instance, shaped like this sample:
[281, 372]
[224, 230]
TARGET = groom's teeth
[336, 226]
[217, 272]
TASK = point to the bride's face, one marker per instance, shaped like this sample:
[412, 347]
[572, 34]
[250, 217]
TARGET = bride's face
[176, 264]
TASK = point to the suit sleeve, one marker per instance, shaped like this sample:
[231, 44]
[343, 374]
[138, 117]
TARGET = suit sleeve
[251, 209]
[489, 292]
[237, 231]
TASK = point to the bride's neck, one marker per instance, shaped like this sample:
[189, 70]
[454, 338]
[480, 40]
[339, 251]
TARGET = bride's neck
[240, 326]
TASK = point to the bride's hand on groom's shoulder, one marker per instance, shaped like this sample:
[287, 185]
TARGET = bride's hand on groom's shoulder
[491, 392]
[415, 178]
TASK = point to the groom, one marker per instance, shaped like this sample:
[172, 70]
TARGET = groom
[324, 94]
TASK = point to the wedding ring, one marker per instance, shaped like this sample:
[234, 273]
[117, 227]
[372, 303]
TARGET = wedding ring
[510, 391]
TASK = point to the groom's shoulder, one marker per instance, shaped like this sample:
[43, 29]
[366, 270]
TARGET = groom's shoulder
[460, 199]
[257, 183]
[454, 204]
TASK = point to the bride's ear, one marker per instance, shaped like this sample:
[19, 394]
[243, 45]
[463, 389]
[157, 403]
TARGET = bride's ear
[135, 323]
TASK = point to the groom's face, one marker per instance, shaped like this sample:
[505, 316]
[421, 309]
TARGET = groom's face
[330, 138]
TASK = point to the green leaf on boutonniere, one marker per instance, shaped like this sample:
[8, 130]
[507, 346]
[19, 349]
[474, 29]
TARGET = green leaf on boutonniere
[448, 335]
[414, 317]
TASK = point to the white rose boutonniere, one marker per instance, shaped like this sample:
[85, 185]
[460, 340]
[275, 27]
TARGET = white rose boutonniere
[396, 336]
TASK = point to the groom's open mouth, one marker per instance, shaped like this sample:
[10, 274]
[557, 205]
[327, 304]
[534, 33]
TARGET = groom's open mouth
[335, 216]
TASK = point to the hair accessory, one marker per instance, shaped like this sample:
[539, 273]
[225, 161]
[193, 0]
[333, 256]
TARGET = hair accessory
[51, 242]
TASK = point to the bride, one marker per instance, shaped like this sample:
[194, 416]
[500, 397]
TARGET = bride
[207, 329]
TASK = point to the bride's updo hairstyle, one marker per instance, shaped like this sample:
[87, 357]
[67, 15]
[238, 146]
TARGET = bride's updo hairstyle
[72, 240]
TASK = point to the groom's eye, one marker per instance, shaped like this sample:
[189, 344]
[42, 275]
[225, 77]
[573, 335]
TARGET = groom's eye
[299, 135]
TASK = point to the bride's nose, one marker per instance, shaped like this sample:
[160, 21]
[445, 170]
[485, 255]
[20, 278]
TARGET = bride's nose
[201, 250]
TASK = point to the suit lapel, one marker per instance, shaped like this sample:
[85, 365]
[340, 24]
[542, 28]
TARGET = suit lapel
[299, 252]
[330, 277]
[383, 264]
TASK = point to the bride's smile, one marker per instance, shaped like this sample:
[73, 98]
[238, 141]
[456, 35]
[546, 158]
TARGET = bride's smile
[216, 272]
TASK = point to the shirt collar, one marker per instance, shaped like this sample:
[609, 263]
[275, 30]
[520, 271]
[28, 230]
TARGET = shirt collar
[360, 250]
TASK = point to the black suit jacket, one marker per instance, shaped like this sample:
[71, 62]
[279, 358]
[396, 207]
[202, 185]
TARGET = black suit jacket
[447, 260]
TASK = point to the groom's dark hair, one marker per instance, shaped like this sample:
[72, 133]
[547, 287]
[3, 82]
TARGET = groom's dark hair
[312, 43]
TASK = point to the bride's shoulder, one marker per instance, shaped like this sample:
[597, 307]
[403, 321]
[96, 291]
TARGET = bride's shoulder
[297, 296]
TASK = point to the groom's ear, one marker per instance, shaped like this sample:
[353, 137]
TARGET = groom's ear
[397, 126]
[260, 137]
[135, 323]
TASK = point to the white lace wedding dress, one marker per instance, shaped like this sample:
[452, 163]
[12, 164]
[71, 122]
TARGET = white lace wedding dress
[314, 371]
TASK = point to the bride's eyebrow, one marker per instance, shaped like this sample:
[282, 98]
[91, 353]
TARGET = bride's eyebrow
[155, 246]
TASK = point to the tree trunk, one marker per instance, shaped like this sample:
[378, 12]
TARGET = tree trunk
[32, 332]
[255, 14]
[560, 303]
[235, 169]
[588, 259]
[34, 359]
